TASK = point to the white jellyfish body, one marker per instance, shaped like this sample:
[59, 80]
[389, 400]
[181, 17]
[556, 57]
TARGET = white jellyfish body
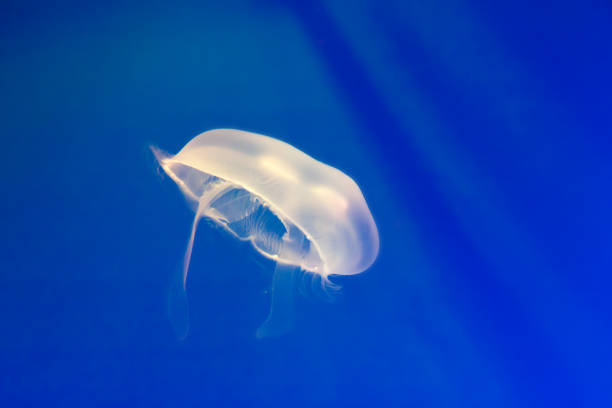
[294, 209]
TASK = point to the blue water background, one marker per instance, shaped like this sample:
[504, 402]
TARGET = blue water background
[479, 133]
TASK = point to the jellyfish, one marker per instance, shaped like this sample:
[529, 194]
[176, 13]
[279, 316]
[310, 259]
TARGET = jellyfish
[305, 215]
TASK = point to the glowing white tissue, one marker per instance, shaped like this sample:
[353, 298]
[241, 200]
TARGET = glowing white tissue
[292, 208]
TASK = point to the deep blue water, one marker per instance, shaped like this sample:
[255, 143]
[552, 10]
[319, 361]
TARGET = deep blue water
[479, 133]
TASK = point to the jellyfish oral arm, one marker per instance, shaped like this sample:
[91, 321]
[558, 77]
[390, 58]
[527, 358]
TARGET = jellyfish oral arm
[189, 249]
[282, 303]
[178, 307]
[281, 318]
[178, 303]
[203, 207]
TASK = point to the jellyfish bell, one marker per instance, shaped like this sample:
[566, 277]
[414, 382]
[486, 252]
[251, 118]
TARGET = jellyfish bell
[305, 215]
